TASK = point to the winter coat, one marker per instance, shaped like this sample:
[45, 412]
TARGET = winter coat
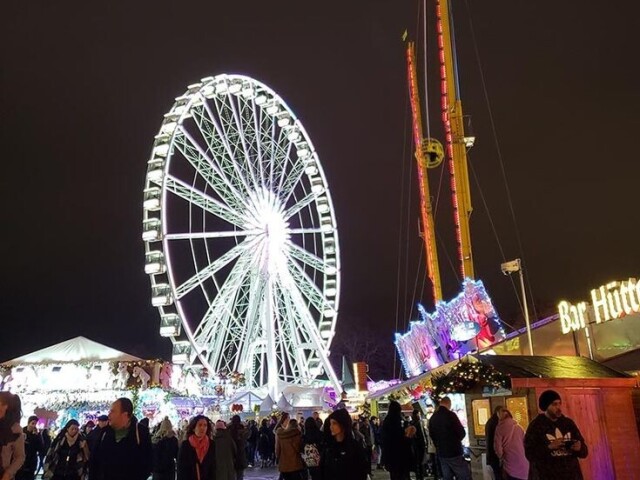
[419, 442]
[265, 442]
[553, 464]
[509, 447]
[490, 431]
[12, 454]
[240, 435]
[33, 449]
[396, 447]
[165, 453]
[447, 433]
[288, 449]
[344, 460]
[226, 453]
[188, 463]
[67, 461]
[128, 459]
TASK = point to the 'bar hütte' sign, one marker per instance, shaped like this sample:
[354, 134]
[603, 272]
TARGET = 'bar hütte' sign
[610, 301]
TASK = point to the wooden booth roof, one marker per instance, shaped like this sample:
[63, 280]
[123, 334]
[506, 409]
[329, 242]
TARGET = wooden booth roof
[520, 366]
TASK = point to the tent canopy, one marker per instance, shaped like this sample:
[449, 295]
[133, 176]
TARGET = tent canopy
[79, 349]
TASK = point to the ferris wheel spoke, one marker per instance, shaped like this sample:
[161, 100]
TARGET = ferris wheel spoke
[213, 267]
[302, 203]
[202, 200]
[292, 319]
[308, 288]
[204, 235]
[302, 231]
[221, 316]
[308, 323]
[209, 170]
[252, 321]
[241, 127]
[306, 257]
[228, 162]
[233, 139]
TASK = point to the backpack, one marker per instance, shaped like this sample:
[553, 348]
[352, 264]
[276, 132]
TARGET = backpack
[311, 455]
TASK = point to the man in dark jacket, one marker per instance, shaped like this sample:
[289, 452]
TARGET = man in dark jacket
[553, 444]
[33, 449]
[490, 431]
[93, 438]
[124, 449]
[447, 433]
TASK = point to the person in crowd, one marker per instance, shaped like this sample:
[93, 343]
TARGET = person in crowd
[396, 447]
[419, 444]
[509, 447]
[359, 437]
[165, 451]
[365, 430]
[92, 442]
[377, 441]
[46, 444]
[312, 446]
[12, 453]
[252, 443]
[447, 433]
[288, 448]
[88, 427]
[342, 458]
[239, 434]
[68, 455]
[124, 448]
[490, 431]
[264, 444]
[197, 456]
[317, 419]
[553, 444]
[34, 447]
[226, 453]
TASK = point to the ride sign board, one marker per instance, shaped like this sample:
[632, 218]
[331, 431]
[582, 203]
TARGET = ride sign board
[608, 302]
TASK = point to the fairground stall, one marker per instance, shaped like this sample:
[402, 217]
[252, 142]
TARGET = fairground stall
[596, 397]
[80, 378]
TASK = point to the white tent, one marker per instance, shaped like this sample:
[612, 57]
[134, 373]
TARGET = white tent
[284, 405]
[267, 404]
[79, 349]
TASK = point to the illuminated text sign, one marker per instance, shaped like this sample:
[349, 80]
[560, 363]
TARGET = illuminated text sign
[610, 301]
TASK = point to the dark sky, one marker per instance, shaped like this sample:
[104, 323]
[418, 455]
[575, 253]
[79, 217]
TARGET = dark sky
[84, 86]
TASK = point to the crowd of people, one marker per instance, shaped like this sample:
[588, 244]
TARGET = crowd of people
[119, 447]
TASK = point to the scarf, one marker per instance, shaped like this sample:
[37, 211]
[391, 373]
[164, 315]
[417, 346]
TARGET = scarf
[71, 440]
[200, 445]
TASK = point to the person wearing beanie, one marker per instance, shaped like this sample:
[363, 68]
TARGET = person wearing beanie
[553, 444]
[343, 458]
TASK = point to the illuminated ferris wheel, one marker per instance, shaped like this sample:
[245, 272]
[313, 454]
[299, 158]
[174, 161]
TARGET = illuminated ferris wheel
[240, 236]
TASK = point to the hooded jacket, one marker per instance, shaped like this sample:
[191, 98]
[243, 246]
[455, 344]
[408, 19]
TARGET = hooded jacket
[128, 459]
[508, 446]
[552, 464]
[288, 449]
[344, 460]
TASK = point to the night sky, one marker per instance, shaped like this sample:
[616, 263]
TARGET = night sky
[84, 85]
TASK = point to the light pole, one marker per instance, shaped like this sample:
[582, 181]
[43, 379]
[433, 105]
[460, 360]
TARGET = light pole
[516, 266]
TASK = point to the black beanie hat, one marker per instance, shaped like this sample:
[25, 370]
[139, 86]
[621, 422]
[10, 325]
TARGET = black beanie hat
[547, 398]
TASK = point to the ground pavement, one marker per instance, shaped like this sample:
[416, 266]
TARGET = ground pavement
[272, 474]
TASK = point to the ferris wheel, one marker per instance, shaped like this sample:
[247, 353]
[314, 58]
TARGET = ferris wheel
[240, 236]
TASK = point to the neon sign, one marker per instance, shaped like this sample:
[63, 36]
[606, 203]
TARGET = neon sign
[608, 302]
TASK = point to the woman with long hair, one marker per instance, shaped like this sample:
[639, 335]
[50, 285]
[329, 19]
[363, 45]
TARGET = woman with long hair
[312, 445]
[196, 457]
[165, 451]
[11, 439]
[68, 455]
[265, 444]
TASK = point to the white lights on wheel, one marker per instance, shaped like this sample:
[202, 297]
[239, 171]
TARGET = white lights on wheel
[241, 244]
